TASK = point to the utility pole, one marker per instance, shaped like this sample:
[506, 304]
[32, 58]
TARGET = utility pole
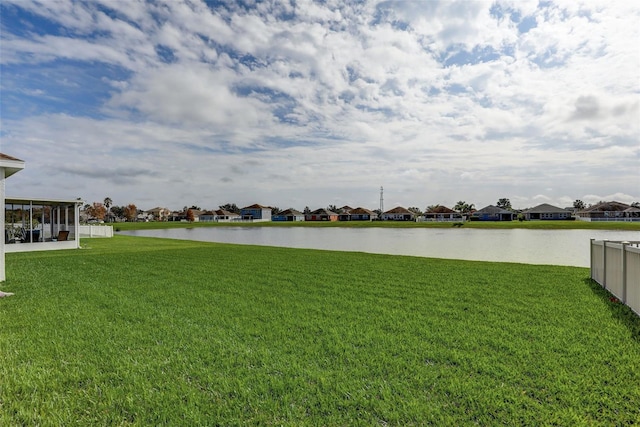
[381, 201]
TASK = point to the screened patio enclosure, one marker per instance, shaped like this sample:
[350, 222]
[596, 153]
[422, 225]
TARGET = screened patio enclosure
[41, 225]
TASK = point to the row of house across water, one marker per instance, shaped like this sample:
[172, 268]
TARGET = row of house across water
[607, 211]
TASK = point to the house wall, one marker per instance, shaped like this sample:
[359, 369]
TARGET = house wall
[256, 214]
[311, 217]
[360, 217]
[292, 218]
[226, 218]
[549, 216]
[397, 217]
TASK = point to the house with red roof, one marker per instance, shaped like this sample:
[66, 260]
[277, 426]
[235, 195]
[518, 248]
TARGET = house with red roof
[399, 214]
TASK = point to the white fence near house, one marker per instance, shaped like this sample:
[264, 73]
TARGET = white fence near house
[616, 267]
[96, 231]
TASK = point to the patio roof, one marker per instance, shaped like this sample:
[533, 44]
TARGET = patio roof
[50, 202]
[10, 165]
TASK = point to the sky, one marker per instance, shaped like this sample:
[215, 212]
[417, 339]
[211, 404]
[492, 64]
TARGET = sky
[296, 104]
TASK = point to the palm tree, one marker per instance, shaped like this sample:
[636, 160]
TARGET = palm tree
[464, 207]
[107, 203]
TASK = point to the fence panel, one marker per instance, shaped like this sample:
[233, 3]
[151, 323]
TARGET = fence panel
[613, 274]
[96, 231]
[597, 261]
[616, 267]
[633, 278]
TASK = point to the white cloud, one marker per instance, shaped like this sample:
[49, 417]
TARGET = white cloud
[336, 100]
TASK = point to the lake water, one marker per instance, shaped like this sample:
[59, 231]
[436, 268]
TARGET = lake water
[555, 247]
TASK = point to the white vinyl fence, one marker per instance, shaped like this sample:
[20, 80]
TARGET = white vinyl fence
[96, 231]
[616, 267]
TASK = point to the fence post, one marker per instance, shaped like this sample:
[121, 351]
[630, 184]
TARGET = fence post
[624, 272]
[604, 263]
[591, 257]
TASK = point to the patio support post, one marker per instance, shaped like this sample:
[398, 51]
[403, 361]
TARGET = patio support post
[76, 224]
[2, 276]
[604, 263]
[591, 257]
[30, 222]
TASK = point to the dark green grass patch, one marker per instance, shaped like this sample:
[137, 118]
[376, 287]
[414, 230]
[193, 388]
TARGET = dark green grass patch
[137, 331]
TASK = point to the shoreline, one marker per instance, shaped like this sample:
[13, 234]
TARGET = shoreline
[499, 225]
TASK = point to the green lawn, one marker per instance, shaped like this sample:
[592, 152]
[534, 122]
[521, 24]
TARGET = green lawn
[141, 331]
[553, 225]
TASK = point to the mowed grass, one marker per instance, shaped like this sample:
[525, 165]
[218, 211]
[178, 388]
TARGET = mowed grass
[142, 331]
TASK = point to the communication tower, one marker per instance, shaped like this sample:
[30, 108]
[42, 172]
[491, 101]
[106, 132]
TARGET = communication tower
[381, 201]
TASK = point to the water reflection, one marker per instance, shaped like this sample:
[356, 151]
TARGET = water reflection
[555, 247]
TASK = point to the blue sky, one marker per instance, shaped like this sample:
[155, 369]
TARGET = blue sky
[295, 104]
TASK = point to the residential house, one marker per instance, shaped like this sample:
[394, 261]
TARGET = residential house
[207, 216]
[222, 215]
[321, 215]
[546, 211]
[442, 213]
[492, 213]
[399, 214]
[256, 213]
[344, 213]
[35, 224]
[632, 213]
[362, 214]
[157, 214]
[288, 215]
[182, 216]
[609, 211]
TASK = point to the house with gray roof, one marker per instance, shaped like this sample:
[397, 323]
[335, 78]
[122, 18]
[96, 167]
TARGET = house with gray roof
[492, 213]
[256, 213]
[608, 211]
[546, 211]
[288, 215]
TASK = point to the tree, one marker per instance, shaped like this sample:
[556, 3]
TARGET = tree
[107, 203]
[230, 207]
[635, 204]
[415, 210]
[190, 216]
[195, 208]
[275, 210]
[332, 208]
[306, 210]
[118, 212]
[130, 212]
[464, 207]
[97, 211]
[579, 205]
[504, 203]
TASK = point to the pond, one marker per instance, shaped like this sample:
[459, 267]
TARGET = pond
[554, 247]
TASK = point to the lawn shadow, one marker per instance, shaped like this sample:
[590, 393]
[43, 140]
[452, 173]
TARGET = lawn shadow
[620, 311]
